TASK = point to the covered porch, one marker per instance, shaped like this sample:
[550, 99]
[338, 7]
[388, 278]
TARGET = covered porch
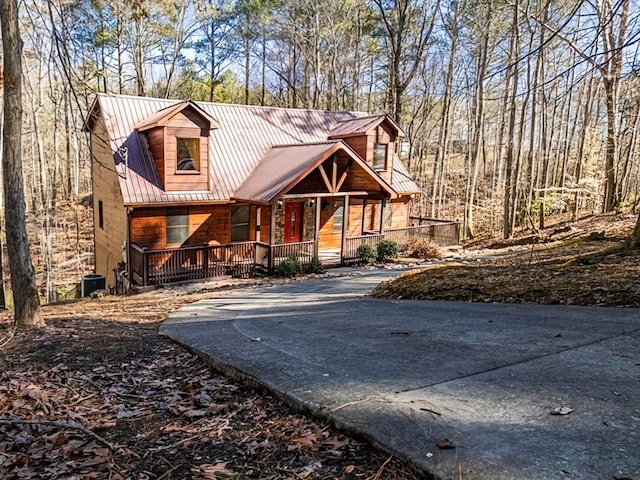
[170, 265]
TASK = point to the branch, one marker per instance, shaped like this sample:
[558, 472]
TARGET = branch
[59, 424]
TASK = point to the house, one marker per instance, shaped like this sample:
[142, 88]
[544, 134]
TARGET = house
[185, 190]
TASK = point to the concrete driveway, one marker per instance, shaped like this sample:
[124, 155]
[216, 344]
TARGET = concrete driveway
[409, 375]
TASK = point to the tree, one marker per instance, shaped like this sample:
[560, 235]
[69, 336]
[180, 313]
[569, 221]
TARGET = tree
[23, 279]
[406, 27]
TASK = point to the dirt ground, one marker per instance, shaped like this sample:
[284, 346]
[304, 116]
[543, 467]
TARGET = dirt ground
[585, 263]
[97, 394]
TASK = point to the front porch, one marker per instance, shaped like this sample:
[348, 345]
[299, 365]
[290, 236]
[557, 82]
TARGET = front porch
[170, 265]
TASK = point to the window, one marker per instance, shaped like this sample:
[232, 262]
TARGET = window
[177, 225]
[380, 156]
[338, 219]
[387, 214]
[100, 215]
[240, 222]
[188, 154]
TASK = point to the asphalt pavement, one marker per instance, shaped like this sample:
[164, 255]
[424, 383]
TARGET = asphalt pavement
[463, 390]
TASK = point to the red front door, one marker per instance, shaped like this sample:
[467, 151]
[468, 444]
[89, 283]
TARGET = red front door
[292, 222]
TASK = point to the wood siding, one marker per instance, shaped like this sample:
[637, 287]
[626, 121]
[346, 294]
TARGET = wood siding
[108, 241]
[327, 237]
[400, 212]
[186, 180]
[265, 224]
[207, 223]
[355, 217]
[155, 137]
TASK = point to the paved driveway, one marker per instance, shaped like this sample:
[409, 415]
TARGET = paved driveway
[409, 374]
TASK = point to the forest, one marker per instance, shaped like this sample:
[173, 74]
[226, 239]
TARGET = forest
[513, 110]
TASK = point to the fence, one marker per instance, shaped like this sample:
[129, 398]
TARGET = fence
[442, 233]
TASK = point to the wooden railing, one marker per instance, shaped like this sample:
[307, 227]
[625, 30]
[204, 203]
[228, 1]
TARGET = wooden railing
[440, 232]
[303, 251]
[154, 267]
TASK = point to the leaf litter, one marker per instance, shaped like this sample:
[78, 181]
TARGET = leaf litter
[97, 394]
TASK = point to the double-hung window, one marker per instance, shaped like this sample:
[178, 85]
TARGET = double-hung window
[177, 225]
[240, 215]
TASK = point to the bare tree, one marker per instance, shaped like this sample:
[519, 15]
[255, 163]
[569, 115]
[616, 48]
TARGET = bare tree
[23, 278]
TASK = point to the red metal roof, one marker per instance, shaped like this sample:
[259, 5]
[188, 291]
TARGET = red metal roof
[361, 126]
[245, 136]
[285, 165]
[161, 115]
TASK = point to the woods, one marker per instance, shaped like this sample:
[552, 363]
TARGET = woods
[514, 110]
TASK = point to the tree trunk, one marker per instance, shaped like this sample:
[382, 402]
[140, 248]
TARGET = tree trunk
[23, 278]
[634, 241]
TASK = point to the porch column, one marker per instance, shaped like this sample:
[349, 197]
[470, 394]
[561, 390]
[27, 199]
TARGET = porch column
[316, 230]
[382, 204]
[345, 226]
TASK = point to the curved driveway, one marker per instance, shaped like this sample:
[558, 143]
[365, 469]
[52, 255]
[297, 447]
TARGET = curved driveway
[409, 374]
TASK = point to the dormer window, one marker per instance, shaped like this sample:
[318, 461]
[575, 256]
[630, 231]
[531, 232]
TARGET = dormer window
[188, 150]
[178, 140]
[380, 156]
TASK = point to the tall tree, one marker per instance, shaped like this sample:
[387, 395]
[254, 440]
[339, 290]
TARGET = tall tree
[23, 278]
[406, 32]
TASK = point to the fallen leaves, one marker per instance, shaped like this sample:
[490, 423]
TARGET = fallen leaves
[89, 398]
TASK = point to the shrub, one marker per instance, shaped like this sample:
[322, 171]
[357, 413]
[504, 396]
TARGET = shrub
[387, 249]
[289, 267]
[315, 266]
[366, 253]
[423, 249]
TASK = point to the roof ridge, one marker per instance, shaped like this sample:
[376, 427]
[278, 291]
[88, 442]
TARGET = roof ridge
[362, 118]
[306, 144]
[237, 105]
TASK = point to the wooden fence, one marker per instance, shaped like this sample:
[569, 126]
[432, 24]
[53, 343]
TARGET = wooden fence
[440, 232]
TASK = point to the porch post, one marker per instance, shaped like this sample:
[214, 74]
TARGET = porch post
[364, 216]
[382, 204]
[316, 229]
[345, 226]
[272, 228]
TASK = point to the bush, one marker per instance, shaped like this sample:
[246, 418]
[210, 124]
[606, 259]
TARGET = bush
[315, 266]
[366, 253]
[423, 249]
[289, 267]
[387, 249]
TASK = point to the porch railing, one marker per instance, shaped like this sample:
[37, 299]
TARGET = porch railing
[303, 251]
[154, 267]
[442, 233]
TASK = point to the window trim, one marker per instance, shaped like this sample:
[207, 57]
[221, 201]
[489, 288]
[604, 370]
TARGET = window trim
[195, 171]
[172, 212]
[243, 224]
[376, 166]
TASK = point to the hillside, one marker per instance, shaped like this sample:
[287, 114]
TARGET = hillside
[582, 263]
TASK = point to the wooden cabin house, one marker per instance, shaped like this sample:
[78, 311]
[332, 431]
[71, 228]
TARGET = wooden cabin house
[186, 190]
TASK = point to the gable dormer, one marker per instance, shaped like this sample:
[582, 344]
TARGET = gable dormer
[178, 138]
[373, 138]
